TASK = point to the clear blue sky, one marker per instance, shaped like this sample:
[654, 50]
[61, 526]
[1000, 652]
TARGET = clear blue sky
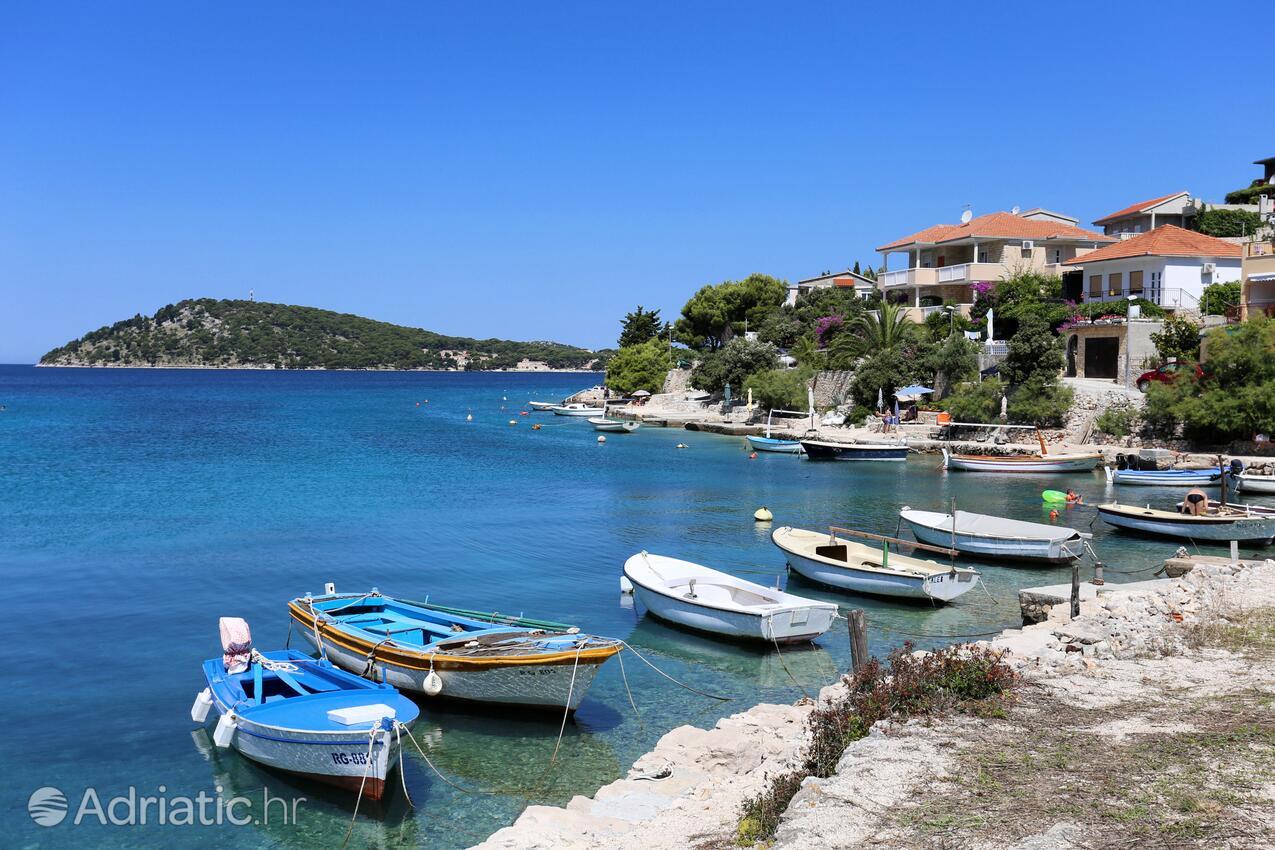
[533, 170]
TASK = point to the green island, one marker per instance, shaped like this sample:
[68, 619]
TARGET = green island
[211, 333]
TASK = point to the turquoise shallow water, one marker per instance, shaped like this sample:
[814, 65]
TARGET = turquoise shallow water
[136, 507]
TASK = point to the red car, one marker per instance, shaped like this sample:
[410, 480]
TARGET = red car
[1167, 373]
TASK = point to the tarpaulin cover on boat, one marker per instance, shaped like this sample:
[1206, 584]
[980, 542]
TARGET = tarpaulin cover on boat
[236, 643]
[991, 526]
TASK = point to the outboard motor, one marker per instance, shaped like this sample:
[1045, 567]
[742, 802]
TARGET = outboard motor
[1237, 466]
[236, 644]
[1122, 462]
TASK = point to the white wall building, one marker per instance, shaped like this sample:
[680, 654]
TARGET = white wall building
[1168, 266]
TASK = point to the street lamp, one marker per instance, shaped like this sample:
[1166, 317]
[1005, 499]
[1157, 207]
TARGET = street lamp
[951, 319]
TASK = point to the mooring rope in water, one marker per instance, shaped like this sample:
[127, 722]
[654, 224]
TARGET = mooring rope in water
[770, 620]
[438, 772]
[671, 679]
[402, 769]
[566, 710]
[362, 784]
[625, 677]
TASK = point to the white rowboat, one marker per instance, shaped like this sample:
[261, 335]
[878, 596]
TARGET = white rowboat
[1252, 482]
[996, 537]
[1222, 523]
[601, 423]
[845, 564]
[1022, 463]
[1164, 477]
[542, 405]
[708, 600]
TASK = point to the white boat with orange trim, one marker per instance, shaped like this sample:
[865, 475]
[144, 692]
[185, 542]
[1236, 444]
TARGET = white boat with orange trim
[1043, 462]
[452, 652]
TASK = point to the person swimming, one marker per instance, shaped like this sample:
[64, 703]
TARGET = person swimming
[1074, 498]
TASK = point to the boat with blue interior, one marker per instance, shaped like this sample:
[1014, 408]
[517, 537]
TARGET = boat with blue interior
[288, 711]
[453, 653]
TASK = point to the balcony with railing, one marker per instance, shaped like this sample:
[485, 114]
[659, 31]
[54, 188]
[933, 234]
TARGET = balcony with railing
[908, 277]
[1168, 297]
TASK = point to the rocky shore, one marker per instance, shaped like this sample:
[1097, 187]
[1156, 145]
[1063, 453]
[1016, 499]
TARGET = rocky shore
[1149, 714]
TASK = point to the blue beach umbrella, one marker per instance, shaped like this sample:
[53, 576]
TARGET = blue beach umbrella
[915, 389]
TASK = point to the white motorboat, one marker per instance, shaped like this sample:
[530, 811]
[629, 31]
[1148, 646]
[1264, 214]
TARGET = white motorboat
[772, 444]
[1064, 462]
[621, 426]
[833, 560]
[996, 537]
[577, 409]
[709, 600]
[542, 406]
[1248, 482]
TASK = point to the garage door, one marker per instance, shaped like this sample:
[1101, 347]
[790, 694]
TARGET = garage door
[1101, 356]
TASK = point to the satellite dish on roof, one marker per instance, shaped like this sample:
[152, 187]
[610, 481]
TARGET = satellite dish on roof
[1015, 210]
[966, 216]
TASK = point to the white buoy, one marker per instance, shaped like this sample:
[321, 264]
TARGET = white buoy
[203, 702]
[433, 684]
[513, 421]
[469, 417]
[225, 731]
[626, 586]
[601, 439]
[763, 515]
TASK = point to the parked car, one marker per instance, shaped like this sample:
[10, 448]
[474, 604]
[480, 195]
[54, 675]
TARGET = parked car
[1166, 373]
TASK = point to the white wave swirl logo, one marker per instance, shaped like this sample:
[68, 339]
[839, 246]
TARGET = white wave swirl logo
[47, 806]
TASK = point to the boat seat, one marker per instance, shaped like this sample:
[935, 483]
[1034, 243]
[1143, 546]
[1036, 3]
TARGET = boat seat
[400, 624]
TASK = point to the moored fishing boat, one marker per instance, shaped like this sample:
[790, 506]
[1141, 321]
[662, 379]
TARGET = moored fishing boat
[701, 598]
[1164, 477]
[611, 426]
[542, 406]
[1197, 518]
[1065, 462]
[1249, 482]
[821, 450]
[577, 409]
[833, 560]
[996, 537]
[771, 444]
[451, 652]
[291, 712]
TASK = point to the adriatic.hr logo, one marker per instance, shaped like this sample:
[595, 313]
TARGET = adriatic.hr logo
[47, 806]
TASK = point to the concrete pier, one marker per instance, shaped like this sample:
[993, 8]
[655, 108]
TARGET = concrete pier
[1034, 602]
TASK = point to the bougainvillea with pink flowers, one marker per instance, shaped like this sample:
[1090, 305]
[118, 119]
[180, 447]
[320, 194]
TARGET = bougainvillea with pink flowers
[827, 326]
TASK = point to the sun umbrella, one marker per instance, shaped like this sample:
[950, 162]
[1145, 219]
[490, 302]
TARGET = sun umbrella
[913, 390]
[641, 394]
[1004, 408]
[880, 399]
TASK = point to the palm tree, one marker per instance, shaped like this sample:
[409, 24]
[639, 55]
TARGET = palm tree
[806, 352]
[887, 328]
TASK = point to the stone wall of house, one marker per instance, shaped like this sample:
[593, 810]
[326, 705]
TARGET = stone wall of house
[832, 388]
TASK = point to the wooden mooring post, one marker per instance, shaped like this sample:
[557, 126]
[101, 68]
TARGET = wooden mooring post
[1075, 589]
[858, 639]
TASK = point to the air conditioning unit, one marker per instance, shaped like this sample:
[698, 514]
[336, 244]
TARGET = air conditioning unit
[1210, 268]
[1028, 245]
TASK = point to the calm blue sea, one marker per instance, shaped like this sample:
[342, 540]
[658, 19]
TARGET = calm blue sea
[138, 506]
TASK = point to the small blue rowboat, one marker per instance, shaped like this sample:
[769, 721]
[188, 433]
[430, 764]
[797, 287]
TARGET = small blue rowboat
[1165, 477]
[302, 715]
[770, 444]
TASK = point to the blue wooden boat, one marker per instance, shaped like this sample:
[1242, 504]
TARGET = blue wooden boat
[302, 715]
[771, 444]
[1165, 477]
[453, 652]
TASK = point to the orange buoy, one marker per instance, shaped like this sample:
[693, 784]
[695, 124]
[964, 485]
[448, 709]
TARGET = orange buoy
[536, 427]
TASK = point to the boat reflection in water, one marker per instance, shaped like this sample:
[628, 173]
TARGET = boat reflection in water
[811, 665]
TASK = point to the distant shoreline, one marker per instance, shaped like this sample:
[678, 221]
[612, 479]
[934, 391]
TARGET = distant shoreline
[309, 369]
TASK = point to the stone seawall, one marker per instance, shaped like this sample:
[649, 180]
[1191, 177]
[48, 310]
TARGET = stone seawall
[1125, 646]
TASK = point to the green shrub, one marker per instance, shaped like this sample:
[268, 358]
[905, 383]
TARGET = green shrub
[1249, 195]
[1116, 421]
[779, 388]
[976, 401]
[1219, 297]
[1040, 402]
[732, 365]
[1221, 223]
[759, 816]
[1180, 337]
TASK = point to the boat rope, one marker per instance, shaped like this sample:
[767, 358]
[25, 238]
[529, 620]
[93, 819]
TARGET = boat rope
[770, 621]
[362, 784]
[314, 622]
[275, 666]
[671, 679]
[402, 768]
[369, 669]
[566, 709]
[438, 772]
[287, 644]
[625, 678]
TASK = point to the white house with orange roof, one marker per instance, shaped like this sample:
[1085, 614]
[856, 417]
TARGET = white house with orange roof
[944, 260]
[1169, 266]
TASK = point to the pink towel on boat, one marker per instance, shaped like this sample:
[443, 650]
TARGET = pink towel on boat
[236, 644]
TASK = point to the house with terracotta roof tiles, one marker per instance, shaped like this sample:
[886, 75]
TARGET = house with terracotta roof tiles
[1177, 209]
[943, 261]
[863, 286]
[1169, 266]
